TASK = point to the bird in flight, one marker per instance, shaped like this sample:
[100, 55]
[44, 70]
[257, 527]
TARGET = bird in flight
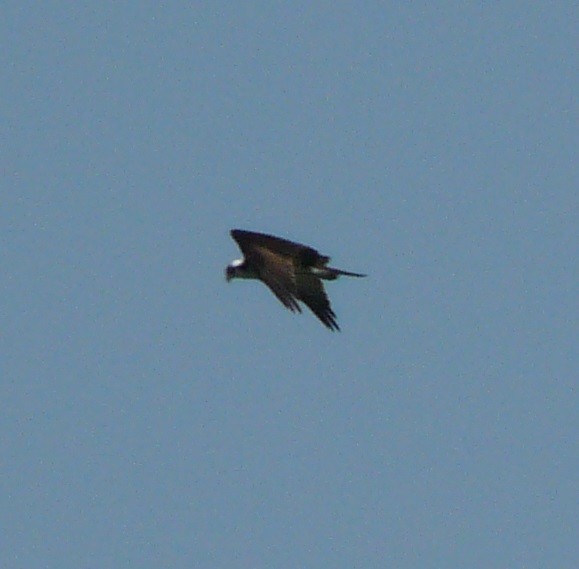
[291, 271]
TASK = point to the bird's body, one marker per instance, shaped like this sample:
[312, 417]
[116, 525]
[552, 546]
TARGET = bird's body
[292, 271]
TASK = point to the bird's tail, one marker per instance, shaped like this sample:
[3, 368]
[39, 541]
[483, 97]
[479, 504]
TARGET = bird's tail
[331, 274]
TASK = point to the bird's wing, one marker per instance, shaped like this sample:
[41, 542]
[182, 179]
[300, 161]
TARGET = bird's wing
[278, 274]
[249, 240]
[310, 291]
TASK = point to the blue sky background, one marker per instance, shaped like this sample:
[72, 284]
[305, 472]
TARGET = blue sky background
[154, 416]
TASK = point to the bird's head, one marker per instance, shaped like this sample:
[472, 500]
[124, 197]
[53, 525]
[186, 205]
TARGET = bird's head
[232, 271]
[229, 273]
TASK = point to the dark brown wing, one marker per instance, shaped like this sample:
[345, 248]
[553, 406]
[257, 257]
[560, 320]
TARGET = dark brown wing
[310, 291]
[277, 272]
[249, 240]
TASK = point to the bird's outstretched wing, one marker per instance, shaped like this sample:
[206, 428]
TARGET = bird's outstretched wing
[310, 290]
[278, 274]
[249, 240]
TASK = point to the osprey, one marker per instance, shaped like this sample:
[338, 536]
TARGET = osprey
[292, 271]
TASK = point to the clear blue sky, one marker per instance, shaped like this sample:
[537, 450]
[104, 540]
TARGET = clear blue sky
[154, 416]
